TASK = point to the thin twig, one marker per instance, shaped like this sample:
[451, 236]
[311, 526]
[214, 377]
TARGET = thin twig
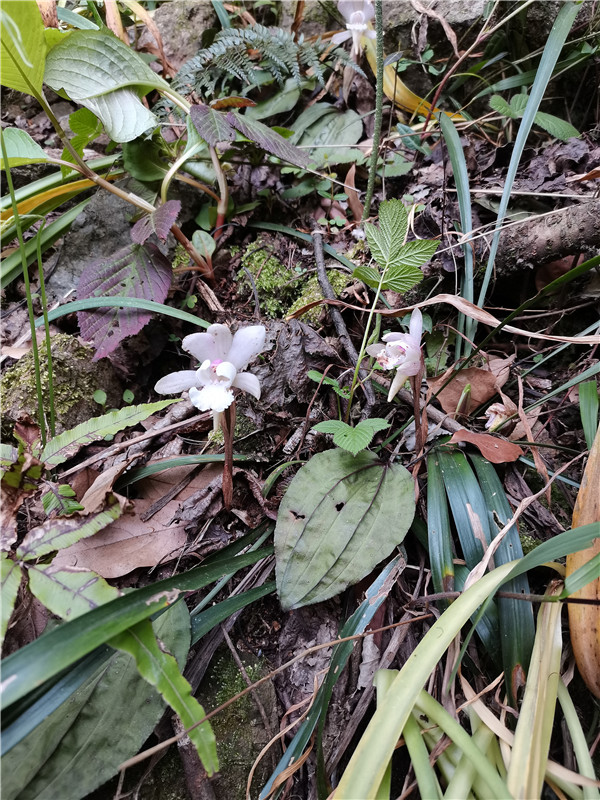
[338, 322]
[378, 107]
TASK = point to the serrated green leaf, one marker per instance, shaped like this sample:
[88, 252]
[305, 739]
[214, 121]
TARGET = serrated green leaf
[23, 49]
[76, 748]
[500, 105]
[340, 516]
[86, 127]
[69, 592]
[10, 576]
[160, 669]
[94, 63]
[559, 128]
[414, 254]
[387, 240]
[21, 149]
[56, 534]
[518, 102]
[367, 275]
[402, 279]
[68, 443]
[352, 439]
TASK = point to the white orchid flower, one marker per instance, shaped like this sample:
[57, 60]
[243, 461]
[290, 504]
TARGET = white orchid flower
[400, 351]
[222, 358]
[358, 14]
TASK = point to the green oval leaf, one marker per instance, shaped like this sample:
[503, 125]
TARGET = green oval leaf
[93, 63]
[21, 149]
[23, 46]
[340, 516]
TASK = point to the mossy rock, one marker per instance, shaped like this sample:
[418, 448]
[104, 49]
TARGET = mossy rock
[239, 729]
[283, 289]
[75, 376]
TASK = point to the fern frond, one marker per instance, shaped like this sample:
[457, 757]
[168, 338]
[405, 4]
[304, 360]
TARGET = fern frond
[242, 52]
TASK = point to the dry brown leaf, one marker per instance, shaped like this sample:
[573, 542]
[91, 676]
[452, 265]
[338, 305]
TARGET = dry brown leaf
[592, 175]
[483, 387]
[95, 496]
[496, 450]
[429, 12]
[469, 309]
[353, 201]
[584, 620]
[129, 543]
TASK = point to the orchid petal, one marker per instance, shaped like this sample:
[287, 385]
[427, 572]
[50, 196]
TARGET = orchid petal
[247, 382]
[416, 326]
[213, 397]
[205, 374]
[177, 382]
[398, 382]
[202, 346]
[340, 37]
[223, 339]
[375, 349]
[247, 344]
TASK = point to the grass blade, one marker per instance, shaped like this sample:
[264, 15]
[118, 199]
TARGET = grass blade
[438, 528]
[588, 408]
[558, 34]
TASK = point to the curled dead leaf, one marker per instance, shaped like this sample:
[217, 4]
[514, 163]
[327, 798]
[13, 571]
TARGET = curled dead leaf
[496, 450]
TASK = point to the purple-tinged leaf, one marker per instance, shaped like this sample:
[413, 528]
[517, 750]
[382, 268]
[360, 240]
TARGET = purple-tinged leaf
[268, 139]
[213, 126]
[134, 271]
[158, 222]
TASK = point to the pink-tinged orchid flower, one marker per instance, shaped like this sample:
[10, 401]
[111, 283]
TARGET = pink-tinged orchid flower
[358, 14]
[400, 351]
[222, 358]
[497, 415]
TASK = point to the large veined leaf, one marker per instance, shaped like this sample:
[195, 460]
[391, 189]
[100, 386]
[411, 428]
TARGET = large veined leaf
[10, 576]
[122, 113]
[21, 149]
[158, 222]
[74, 750]
[213, 126]
[56, 534]
[160, 669]
[23, 46]
[137, 271]
[93, 63]
[69, 592]
[268, 139]
[340, 517]
[68, 443]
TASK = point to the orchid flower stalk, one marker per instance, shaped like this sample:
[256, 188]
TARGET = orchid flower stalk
[400, 351]
[223, 359]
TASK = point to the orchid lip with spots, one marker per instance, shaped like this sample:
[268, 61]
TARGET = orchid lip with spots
[222, 358]
[400, 351]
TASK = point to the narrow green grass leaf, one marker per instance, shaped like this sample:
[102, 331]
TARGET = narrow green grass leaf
[52, 652]
[468, 506]
[81, 743]
[517, 628]
[357, 623]
[556, 39]
[438, 528]
[205, 621]
[461, 180]
[66, 444]
[11, 265]
[582, 576]
[159, 668]
[588, 408]
[122, 302]
[585, 764]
